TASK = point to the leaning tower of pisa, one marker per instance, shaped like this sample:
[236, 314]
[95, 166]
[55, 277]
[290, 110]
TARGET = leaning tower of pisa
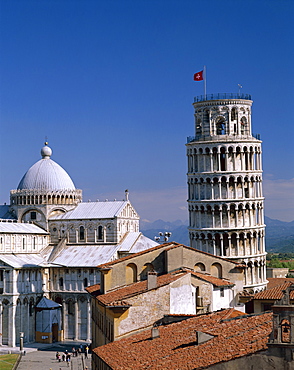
[225, 196]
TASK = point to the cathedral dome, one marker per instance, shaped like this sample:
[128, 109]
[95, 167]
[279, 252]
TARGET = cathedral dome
[46, 175]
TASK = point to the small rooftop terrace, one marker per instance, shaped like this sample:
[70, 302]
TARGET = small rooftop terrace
[220, 96]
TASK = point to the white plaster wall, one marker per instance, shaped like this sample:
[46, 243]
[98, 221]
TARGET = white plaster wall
[219, 302]
[182, 297]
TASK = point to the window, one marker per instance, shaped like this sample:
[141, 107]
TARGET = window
[233, 114]
[82, 233]
[70, 308]
[100, 232]
[33, 215]
[222, 292]
[85, 282]
[31, 308]
[221, 126]
[61, 282]
[1, 275]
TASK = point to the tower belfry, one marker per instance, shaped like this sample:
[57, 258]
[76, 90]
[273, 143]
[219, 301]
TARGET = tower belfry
[225, 197]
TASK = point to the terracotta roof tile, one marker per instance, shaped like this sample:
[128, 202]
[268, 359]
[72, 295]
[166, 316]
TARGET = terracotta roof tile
[176, 347]
[274, 293]
[273, 282]
[93, 288]
[212, 279]
[134, 289]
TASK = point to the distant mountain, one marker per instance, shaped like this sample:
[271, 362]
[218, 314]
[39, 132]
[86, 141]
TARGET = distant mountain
[160, 224]
[279, 234]
[178, 229]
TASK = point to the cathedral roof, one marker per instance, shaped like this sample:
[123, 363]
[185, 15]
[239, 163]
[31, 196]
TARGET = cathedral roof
[21, 228]
[93, 255]
[92, 210]
[46, 175]
[23, 260]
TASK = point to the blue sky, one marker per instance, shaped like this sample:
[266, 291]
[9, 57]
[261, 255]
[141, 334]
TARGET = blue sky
[110, 83]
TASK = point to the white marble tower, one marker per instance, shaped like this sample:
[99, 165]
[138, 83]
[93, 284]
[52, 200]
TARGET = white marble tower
[225, 185]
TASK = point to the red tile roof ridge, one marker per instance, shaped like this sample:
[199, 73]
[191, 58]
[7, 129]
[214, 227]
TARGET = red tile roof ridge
[136, 254]
[212, 279]
[166, 246]
[134, 289]
[206, 253]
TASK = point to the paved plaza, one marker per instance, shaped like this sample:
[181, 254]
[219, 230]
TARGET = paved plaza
[43, 357]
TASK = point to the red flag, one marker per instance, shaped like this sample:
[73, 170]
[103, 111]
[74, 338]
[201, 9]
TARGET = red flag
[198, 76]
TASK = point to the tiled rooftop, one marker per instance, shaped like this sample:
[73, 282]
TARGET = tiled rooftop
[274, 293]
[176, 347]
[131, 290]
[117, 295]
[273, 282]
[213, 280]
[93, 288]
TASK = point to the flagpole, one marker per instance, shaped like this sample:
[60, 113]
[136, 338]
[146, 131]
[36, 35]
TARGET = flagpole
[204, 70]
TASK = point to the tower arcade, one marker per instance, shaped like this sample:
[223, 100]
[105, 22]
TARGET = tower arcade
[225, 197]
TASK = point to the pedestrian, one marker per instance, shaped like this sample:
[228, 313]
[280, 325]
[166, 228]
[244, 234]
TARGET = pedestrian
[63, 357]
[86, 351]
[57, 355]
[68, 359]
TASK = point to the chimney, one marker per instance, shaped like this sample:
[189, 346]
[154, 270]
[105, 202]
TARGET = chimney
[151, 280]
[202, 337]
[155, 332]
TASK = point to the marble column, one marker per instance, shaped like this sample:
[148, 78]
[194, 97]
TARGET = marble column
[76, 319]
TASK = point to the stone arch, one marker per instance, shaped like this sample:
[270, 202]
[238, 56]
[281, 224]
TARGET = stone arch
[220, 125]
[57, 211]
[131, 273]
[58, 299]
[285, 328]
[243, 126]
[234, 114]
[216, 270]
[199, 266]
